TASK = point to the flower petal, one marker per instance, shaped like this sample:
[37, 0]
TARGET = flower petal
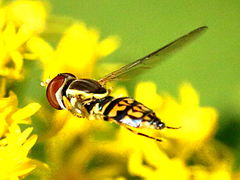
[26, 112]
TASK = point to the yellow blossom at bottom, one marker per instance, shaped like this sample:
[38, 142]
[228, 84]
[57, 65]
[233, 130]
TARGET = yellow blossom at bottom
[11, 114]
[14, 143]
[78, 137]
[14, 149]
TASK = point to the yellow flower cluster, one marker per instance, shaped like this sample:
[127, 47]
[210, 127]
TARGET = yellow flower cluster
[20, 21]
[77, 51]
[14, 149]
[14, 144]
[77, 148]
[16, 28]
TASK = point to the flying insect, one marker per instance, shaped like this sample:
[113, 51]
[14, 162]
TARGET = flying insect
[88, 98]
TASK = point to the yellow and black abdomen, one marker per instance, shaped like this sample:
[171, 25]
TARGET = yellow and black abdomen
[125, 111]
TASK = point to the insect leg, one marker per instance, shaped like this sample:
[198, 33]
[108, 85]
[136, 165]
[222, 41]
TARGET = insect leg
[145, 135]
[70, 108]
[135, 132]
[169, 127]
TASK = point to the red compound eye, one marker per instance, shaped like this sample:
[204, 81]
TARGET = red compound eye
[52, 89]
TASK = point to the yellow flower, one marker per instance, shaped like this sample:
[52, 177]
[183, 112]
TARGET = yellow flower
[197, 123]
[31, 13]
[14, 149]
[159, 167]
[151, 162]
[14, 144]
[75, 146]
[146, 92]
[11, 114]
[19, 22]
[77, 51]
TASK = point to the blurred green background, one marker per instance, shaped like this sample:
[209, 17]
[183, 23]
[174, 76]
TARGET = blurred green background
[211, 63]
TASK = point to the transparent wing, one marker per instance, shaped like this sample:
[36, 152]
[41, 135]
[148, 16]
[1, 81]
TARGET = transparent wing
[153, 57]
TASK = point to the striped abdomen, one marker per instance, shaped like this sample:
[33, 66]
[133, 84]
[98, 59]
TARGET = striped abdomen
[126, 111]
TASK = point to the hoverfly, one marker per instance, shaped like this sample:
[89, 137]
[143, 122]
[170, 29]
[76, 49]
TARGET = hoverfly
[91, 99]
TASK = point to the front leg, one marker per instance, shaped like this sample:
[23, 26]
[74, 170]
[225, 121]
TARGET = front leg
[75, 109]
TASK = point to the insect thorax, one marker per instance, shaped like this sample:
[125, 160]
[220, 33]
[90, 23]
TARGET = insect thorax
[86, 90]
